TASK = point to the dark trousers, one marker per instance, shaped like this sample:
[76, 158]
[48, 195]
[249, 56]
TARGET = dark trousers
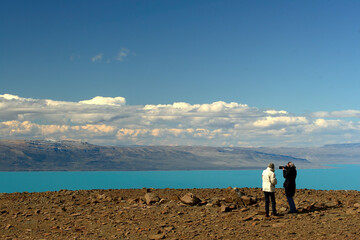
[267, 202]
[291, 204]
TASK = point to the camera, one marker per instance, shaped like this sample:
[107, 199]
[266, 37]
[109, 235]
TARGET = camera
[282, 167]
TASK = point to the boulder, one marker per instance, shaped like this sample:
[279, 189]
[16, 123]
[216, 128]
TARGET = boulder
[248, 200]
[238, 192]
[216, 202]
[151, 198]
[190, 199]
[224, 208]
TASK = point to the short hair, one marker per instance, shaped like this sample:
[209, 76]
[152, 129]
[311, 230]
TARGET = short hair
[291, 164]
[271, 165]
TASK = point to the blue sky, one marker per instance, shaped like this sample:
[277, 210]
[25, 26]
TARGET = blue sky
[298, 60]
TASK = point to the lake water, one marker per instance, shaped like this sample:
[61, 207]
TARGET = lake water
[340, 177]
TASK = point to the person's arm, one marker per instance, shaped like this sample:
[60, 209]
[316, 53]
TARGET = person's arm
[273, 179]
[286, 172]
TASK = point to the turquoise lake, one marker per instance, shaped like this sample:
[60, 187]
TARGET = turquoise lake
[339, 177]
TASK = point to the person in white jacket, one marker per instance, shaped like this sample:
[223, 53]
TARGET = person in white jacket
[268, 186]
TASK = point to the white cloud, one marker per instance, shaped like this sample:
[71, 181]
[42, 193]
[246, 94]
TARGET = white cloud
[117, 101]
[338, 114]
[97, 58]
[275, 112]
[124, 52]
[280, 121]
[109, 120]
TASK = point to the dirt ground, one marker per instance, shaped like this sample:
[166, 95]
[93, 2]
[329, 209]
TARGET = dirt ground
[176, 214]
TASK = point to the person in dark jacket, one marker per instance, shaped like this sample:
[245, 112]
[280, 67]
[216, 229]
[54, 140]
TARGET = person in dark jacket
[289, 173]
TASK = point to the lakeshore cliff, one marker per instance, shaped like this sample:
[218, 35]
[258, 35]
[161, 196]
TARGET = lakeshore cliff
[177, 214]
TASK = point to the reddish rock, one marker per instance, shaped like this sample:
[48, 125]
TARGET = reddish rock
[157, 236]
[190, 199]
[151, 198]
[224, 208]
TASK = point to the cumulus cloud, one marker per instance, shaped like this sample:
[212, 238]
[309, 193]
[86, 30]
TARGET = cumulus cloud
[270, 121]
[338, 114]
[50, 111]
[116, 101]
[275, 112]
[108, 120]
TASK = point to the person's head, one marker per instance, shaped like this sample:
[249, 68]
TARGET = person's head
[271, 165]
[290, 164]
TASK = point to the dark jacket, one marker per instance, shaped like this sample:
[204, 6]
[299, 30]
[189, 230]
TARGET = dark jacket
[289, 184]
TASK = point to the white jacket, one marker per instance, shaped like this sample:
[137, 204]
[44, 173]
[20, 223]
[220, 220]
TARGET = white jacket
[268, 180]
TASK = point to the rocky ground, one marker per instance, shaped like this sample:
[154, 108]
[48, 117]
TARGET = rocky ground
[177, 214]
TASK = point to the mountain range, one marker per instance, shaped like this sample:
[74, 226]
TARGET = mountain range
[45, 155]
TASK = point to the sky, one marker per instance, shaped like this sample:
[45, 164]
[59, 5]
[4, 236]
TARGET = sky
[245, 73]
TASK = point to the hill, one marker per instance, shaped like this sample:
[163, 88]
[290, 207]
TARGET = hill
[42, 155]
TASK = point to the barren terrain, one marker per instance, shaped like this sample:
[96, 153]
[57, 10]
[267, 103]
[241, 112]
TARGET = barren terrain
[177, 214]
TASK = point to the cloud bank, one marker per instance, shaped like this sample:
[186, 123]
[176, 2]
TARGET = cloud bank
[108, 120]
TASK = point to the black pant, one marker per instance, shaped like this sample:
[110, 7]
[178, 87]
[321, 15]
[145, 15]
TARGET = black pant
[267, 202]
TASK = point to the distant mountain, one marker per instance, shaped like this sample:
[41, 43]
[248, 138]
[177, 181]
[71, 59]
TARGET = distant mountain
[345, 145]
[328, 154]
[41, 155]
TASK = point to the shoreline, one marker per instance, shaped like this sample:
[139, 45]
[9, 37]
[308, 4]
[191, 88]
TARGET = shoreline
[218, 213]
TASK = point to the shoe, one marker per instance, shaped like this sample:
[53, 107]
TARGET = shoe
[275, 214]
[293, 211]
[267, 215]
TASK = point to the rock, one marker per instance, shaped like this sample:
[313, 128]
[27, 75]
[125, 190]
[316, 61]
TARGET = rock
[230, 199]
[279, 225]
[151, 198]
[3, 212]
[8, 226]
[238, 192]
[357, 205]
[310, 207]
[283, 209]
[190, 199]
[248, 200]
[168, 229]
[334, 203]
[244, 209]
[216, 202]
[157, 236]
[133, 200]
[351, 211]
[249, 217]
[61, 209]
[224, 208]
[232, 207]
[165, 210]
[174, 198]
